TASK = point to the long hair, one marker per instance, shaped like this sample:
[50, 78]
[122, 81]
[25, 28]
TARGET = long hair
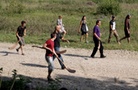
[83, 18]
[127, 17]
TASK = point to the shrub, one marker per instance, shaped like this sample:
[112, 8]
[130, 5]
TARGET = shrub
[15, 6]
[128, 1]
[109, 7]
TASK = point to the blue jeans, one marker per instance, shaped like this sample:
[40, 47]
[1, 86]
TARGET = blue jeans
[50, 61]
[59, 55]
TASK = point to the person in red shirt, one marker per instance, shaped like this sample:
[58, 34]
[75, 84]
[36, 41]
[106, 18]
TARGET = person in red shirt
[50, 51]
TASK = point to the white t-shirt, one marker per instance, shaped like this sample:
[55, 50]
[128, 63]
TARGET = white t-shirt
[114, 24]
[59, 22]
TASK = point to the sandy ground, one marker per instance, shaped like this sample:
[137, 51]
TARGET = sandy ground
[118, 71]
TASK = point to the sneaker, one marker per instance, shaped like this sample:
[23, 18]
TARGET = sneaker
[63, 67]
[17, 50]
[23, 54]
[92, 56]
[49, 79]
[103, 56]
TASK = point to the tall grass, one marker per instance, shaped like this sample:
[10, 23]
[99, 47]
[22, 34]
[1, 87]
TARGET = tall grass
[41, 16]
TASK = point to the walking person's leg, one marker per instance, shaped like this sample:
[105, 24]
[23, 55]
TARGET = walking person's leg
[110, 36]
[81, 38]
[128, 39]
[50, 67]
[126, 35]
[117, 37]
[21, 43]
[59, 55]
[101, 50]
[122, 39]
[96, 42]
[86, 37]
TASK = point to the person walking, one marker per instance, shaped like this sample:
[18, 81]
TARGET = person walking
[97, 40]
[20, 33]
[50, 52]
[57, 44]
[84, 29]
[112, 30]
[127, 29]
[59, 22]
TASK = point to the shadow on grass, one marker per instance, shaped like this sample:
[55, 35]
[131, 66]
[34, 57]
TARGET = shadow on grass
[81, 83]
[6, 53]
[75, 41]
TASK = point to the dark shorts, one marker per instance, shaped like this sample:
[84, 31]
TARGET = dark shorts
[21, 41]
[127, 34]
[83, 33]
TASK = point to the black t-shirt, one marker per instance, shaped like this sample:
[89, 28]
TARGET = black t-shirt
[20, 31]
[83, 26]
[110, 23]
[57, 40]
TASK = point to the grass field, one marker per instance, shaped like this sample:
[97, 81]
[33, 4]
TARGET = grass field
[41, 16]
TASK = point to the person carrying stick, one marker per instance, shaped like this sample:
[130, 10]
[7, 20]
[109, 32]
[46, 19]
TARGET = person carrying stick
[20, 33]
[50, 52]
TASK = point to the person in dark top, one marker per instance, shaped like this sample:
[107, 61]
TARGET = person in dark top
[20, 33]
[127, 28]
[50, 51]
[97, 40]
[57, 44]
[84, 29]
[112, 30]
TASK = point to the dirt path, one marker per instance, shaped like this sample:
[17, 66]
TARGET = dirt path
[92, 74]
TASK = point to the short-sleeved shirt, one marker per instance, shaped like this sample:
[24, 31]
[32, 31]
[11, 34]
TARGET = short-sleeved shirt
[96, 30]
[21, 30]
[50, 44]
[59, 22]
[113, 25]
[57, 40]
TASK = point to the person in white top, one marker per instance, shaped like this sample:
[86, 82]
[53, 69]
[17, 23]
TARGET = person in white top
[112, 30]
[59, 22]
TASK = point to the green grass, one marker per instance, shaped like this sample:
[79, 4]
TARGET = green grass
[41, 16]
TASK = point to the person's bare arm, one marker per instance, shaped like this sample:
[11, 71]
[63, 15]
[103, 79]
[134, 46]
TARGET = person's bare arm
[17, 35]
[25, 32]
[97, 36]
[127, 22]
[45, 47]
[80, 27]
[53, 51]
[111, 26]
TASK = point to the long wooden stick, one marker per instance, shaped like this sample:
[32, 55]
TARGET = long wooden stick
[57, 52]
[12, 47]
[68, 69]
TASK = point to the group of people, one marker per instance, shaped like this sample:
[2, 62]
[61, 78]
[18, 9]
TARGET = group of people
[97, 35]
[113, 31]
[52, 45]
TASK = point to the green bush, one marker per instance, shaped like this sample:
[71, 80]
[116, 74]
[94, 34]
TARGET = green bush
[109, 7]
[128, 1]
[15, 6]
